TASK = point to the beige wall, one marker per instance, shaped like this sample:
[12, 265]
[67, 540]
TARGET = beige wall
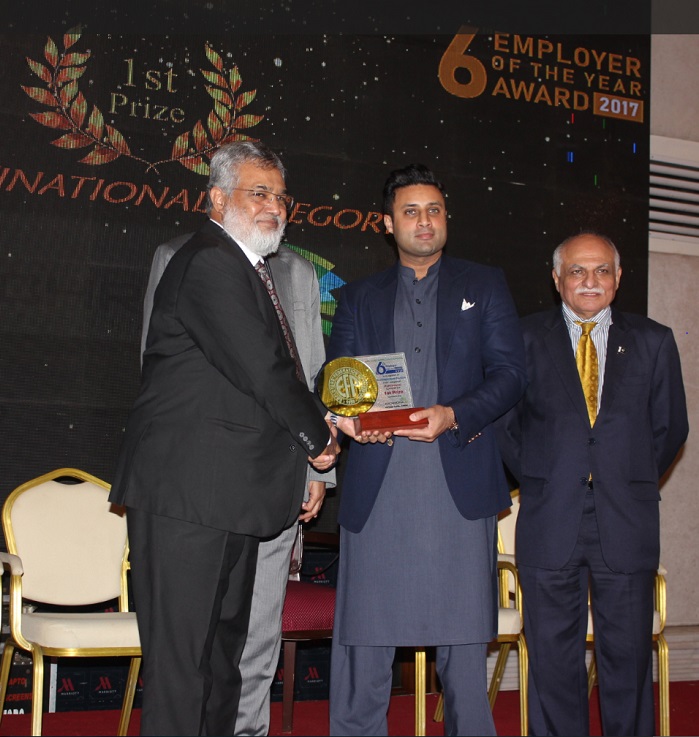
[674, 105]
[673, 300]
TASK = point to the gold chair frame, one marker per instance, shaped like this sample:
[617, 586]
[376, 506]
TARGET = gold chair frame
[510, 596]
[20, 619]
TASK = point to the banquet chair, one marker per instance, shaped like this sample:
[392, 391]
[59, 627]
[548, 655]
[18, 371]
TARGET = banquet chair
[510, 618]
[68, 551]
[308, 614]
[659, 618]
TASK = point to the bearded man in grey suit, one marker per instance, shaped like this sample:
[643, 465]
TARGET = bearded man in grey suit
[297, 285]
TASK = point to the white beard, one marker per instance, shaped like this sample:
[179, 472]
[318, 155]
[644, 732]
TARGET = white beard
[261, 242]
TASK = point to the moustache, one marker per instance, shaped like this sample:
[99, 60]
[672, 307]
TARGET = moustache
[588, 290]
[270, 219]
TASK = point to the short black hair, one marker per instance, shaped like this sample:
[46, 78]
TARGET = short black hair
[406, 177]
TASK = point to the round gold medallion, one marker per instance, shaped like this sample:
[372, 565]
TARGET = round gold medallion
[348, 387]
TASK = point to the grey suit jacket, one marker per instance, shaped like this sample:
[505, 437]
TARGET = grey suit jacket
[297, 286]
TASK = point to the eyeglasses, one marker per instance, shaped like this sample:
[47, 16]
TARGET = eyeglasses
[263, 197]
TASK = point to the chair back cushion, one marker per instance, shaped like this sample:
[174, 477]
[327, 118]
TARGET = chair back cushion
[70, 541]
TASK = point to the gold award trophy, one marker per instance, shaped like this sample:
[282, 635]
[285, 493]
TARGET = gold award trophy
[375, 390]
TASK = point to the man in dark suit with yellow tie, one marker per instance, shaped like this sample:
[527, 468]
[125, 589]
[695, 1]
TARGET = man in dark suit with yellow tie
[216, 448]
[602, 419]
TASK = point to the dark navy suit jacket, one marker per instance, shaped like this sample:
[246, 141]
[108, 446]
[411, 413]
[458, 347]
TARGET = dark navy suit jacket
[549, 446]
[481, 374]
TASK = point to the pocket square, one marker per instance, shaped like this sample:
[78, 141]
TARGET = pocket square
[467, 305]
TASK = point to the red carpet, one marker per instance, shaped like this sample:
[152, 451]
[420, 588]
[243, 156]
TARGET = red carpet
[311, 717]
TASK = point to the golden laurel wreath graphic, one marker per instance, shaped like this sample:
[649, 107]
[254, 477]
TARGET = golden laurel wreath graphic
[193, 149]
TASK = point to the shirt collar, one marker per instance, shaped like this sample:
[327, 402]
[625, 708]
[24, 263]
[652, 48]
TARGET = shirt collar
[603, 317]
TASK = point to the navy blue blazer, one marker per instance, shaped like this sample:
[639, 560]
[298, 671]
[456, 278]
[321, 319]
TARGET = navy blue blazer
[481, 374]
[548, 444]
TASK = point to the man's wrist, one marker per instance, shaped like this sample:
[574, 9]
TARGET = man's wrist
[454, 426]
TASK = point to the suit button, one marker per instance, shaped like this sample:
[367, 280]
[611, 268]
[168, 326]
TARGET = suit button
[583, 480]
[591, 441]
[292, 448]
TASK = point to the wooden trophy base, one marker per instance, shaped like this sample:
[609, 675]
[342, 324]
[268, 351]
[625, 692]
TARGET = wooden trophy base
[388, 420]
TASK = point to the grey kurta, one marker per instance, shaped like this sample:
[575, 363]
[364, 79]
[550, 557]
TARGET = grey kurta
[418, 573]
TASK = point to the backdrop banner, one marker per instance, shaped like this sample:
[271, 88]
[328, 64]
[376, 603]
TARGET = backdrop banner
[104, 154]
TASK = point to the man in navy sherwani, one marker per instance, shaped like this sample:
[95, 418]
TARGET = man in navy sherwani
[418, 510]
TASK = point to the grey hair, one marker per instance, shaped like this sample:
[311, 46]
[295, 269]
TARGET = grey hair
[228, 159]
[558, 253]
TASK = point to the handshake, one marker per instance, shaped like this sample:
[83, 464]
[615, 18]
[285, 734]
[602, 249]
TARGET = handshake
[328, 458]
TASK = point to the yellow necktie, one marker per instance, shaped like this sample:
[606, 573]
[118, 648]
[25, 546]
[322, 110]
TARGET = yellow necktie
[586, 361]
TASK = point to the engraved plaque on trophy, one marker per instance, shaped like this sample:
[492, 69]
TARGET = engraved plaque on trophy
[375, 390]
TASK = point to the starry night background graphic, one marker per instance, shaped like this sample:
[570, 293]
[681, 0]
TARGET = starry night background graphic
[521, 174]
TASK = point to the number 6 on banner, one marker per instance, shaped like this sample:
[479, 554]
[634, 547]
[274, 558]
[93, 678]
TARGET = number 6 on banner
[455, 58]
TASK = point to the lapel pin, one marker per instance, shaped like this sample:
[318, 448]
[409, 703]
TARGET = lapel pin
[621, 349]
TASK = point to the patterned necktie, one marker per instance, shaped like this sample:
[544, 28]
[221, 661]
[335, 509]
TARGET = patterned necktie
[262, 270]
[586, 361]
